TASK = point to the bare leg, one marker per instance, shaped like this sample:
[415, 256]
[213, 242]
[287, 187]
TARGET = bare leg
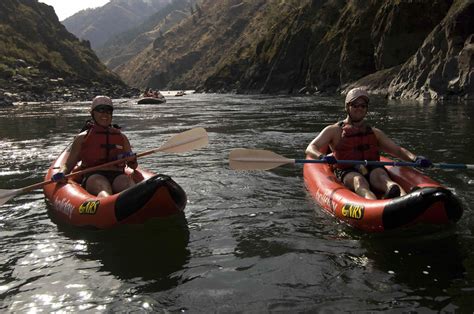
[122, 182]
[381, 181]
[357, 183]
[98, 185]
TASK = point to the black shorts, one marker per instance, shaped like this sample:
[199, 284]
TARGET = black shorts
[341, 173]
[109, 174]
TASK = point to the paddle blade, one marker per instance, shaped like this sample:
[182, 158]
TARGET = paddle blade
[256, 159]
[6, 195]
[186, 141]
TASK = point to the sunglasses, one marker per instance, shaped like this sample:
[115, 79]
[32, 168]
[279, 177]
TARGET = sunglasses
[104, 109]
[363, 106]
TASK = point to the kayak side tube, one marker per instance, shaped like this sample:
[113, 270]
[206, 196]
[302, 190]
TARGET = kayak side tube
[429, 205]
[157, 196]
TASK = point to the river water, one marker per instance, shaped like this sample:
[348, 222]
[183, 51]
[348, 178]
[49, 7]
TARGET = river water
[256, 242]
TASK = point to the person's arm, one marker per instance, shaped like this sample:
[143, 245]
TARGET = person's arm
[320, 144]
[389, 146]
[71, 161]
[133, 163]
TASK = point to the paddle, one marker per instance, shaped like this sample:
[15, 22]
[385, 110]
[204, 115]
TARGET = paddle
[179, 143]
[258, 159]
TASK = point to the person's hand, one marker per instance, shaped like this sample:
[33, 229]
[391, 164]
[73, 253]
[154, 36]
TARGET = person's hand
[125, 155]
[59, 177]
[328, 159]
[132, 163]
[423, 162]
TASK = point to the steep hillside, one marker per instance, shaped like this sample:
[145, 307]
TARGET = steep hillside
[126, 45]
[101, 24]
[191, 51]
[314, 46]
[40, 59]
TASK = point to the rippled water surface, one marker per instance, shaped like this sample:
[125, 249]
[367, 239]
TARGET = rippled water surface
[257, 242]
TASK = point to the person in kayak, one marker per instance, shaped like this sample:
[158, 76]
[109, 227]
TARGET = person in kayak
[354, 139]
[99, 143]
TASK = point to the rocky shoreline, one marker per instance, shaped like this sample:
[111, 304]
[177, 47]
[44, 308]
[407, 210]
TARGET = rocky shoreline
[21, 89]
[27, 83]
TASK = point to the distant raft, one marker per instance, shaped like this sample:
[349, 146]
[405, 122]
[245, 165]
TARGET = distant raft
[154, 196]
[427, 202]
[151, 100]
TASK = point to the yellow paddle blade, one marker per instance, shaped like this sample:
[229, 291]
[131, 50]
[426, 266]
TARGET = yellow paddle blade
[179, 143]
[6, 195]
[186, 141]
[256, 159]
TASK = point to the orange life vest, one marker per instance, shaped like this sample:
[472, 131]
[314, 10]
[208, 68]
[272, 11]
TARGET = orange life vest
[356, 143]
[101, 145]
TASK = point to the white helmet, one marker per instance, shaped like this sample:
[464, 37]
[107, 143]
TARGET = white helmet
[355, 93]
[101, 100]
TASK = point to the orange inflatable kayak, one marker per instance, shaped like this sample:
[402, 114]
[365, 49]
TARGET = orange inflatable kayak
[426, 202]
[154, 196]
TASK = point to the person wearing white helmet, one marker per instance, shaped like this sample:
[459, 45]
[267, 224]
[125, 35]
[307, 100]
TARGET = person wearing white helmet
[100, 142]
[354, 139]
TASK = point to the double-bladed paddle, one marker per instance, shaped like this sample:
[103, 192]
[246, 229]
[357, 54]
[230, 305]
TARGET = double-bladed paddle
[259, 159]
[179, 143]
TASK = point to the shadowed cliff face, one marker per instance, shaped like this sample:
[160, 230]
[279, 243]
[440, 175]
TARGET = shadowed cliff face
[443, 66]
[395, 48]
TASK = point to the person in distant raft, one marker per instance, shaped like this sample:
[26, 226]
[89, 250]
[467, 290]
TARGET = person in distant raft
[354, 139]
[99, 143]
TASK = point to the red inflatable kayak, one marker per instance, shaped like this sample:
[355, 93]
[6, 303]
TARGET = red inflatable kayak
[154, 196]
[427, 202]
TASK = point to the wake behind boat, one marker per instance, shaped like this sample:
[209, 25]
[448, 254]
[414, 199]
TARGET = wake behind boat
[426, 202]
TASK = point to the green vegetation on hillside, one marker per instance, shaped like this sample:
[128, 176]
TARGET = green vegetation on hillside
[31, 32]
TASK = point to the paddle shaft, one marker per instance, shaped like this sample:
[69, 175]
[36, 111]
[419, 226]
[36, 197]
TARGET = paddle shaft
[182, 142]
[259, 159]
[384, 163]
[81, 172]
[110, 163]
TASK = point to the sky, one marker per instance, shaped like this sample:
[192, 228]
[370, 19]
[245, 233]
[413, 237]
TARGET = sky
[66, 8]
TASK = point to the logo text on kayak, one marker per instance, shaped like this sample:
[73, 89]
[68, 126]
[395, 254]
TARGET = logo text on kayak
[64, 206]
[89, 208]
[353, 211]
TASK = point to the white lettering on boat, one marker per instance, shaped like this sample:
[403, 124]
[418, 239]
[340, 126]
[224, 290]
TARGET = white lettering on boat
[325, 200]
[64, 206]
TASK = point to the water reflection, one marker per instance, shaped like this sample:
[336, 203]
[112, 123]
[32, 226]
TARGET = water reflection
[257, 241]
[427, 265]
[148, 254]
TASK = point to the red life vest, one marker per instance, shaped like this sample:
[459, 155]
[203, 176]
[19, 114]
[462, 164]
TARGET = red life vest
[101, 145]
[356, 143]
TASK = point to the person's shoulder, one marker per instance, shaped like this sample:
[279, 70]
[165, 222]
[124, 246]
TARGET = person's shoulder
[334, 127]
[124, 136]
[376, 130]
[79, 139]
[331, 131]
[379, 133]
[80, 136]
